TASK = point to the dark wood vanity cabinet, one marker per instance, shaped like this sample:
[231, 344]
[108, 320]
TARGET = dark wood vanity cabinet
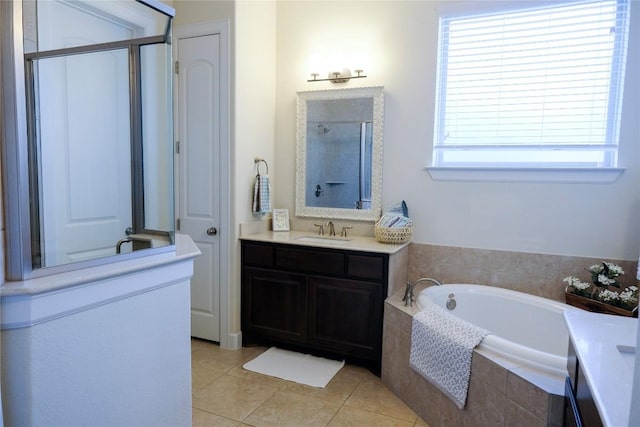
[327, 301]
[580, 409]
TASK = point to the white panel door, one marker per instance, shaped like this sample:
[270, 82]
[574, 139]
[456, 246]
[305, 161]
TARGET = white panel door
[84, 140]
[199, 170]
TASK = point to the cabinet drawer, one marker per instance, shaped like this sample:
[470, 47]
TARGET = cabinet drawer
[366, 267]
[257, 255]
[310, 261]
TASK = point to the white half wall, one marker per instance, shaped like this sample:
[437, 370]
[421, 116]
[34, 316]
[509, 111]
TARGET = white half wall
[107, 345]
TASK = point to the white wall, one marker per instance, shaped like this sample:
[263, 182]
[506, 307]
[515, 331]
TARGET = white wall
[399, 39]
[253, 93]
[255, 117]
[192, 11]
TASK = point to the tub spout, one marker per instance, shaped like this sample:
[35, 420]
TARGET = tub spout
[408, 298]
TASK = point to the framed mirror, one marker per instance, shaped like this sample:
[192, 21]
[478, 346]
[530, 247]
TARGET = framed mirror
[339, 153]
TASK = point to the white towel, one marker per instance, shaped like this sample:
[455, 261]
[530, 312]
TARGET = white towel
[441, 350]
[261, 194]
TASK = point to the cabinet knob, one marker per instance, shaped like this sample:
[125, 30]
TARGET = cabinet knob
[212, 231]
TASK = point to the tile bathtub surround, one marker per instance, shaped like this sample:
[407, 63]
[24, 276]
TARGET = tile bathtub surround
[537, 274]
[497, 396]
[224, 394]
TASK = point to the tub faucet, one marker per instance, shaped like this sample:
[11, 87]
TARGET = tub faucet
[408, 292]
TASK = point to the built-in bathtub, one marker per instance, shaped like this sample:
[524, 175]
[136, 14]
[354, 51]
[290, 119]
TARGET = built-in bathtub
[517, 373]
[524, 329]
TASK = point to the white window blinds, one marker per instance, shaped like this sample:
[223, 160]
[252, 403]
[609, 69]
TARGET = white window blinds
[532, 88]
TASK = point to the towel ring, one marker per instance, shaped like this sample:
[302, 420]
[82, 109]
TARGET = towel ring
[257, 161]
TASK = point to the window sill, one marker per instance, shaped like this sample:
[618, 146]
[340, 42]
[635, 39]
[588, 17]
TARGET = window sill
[556, 175]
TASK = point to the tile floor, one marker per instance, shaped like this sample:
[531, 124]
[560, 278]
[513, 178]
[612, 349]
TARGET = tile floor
[224, 395]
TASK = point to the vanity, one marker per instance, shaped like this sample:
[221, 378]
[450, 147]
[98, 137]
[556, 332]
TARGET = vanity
[325, 294]
[318, 295]
[600, 366]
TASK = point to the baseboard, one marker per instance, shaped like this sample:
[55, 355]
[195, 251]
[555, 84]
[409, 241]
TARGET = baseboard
[233, 341]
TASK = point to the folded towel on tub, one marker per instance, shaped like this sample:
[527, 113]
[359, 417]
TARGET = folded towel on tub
[441, 350]
[261, 194]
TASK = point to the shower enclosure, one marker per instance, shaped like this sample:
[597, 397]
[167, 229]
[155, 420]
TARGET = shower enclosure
[99, 140]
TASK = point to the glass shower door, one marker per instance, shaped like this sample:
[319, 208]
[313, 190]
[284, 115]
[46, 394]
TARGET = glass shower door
[84, 154]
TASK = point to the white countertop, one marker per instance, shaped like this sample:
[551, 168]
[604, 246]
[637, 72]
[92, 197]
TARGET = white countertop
[608, 372]
[353, 243]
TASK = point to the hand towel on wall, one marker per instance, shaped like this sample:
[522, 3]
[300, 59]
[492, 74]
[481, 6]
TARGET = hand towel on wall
[261, 194]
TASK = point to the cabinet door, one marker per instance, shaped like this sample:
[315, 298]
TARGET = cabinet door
[274, 304]
[346, 316]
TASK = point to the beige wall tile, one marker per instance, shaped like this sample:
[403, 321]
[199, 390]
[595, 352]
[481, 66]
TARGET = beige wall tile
[398, 267]
[536, 274]
[398, 318]
[516, 416]
[485, 404]
[526, 395]
[485, 370]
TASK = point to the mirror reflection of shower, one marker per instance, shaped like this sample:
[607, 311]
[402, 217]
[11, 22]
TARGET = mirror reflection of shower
[322, 129]
[339, 162]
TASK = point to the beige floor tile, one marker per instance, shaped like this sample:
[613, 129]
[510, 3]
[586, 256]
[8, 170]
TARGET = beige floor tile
[355, 417]
[371, 395]
[211, 356]
[292, 409]
[339, 388]
[232, 397]
[247, 375]
[202, 376]
[421, 423]
[206, 419]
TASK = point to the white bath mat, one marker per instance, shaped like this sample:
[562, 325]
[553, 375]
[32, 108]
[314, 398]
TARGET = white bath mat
[298, 367]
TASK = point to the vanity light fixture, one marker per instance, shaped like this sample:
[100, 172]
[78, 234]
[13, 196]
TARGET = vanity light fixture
[338, 76]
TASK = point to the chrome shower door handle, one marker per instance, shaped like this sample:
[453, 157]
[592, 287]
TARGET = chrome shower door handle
[212, 231]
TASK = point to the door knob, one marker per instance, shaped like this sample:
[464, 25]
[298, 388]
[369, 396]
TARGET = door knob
[212, 231]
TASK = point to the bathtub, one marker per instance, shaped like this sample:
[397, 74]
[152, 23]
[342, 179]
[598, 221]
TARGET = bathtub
[527, 330]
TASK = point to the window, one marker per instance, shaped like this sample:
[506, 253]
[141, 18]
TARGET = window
[531, 88]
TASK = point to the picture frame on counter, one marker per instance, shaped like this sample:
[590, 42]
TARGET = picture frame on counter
[280, 219]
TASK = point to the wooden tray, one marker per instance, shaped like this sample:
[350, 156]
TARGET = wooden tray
[597, 306]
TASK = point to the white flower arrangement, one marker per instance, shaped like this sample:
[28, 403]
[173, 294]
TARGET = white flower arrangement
[629, 297]
[610, 297]
[579, 287]
[603, 276]
[606, 274]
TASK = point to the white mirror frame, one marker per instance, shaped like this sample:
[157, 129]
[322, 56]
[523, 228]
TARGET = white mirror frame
[372, 214]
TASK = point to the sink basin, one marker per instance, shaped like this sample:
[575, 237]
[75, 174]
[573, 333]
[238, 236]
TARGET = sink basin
[628, 354]
[325, 240]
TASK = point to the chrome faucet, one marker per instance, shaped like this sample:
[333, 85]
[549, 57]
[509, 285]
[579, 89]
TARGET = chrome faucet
[408, 298]
[332, 229]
